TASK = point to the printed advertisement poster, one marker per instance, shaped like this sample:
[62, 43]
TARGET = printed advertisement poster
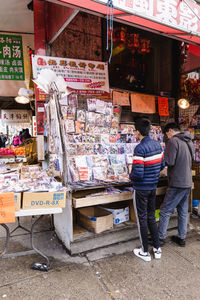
[163, 106]
[11, 57]
[142, 103]
[121, 98]
[40, 117]
[83, 76]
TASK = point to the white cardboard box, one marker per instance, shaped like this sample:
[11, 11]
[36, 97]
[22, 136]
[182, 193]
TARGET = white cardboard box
[119, 215]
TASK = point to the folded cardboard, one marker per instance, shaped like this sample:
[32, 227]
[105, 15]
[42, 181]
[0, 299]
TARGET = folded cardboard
[95, 219]
[17, 198]
[7, 208]
[43, 200]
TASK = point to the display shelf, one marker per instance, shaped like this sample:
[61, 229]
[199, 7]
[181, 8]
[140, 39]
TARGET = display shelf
[102, 199]
[79, 201]
[123, 232]
[85, 234]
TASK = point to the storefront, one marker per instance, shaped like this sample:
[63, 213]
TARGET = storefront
[98, 131]
[89, 133]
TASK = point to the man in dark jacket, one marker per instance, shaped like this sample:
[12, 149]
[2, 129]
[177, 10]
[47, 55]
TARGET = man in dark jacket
[178, 157]
[147, 163]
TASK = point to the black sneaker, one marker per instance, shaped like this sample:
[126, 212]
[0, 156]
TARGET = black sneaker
[178, 241]
[161, 241]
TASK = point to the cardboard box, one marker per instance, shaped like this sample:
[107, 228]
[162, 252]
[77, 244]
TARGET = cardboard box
[95, 219]
[7, 208]
[120, 214]
[43, 200]
[17, 198]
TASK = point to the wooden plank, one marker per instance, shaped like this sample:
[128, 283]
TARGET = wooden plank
[77, 230]
[104, 199]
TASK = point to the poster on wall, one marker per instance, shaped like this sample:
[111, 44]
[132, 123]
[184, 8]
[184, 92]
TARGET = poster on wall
[121, 98]
[163, 106]
[83, 76]
[141, 103]
[11, 57]
[40, 117]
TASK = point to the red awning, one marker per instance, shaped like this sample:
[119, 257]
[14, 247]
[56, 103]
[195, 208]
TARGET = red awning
[177, 19]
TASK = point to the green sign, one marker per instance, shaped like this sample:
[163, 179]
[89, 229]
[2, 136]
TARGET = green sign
[11, 57]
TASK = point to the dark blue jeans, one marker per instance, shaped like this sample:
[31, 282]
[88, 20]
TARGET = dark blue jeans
[175, 197]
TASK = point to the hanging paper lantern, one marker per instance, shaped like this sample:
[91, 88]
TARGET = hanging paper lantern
[136, 41]
[123, 34]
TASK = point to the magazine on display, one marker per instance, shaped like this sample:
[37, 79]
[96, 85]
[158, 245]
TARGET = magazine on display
[69, 126]
[100, 106]
[81, 115]
[80, 127]
[99, 173]
[91, 118]
[91, 104]
[72, 149]
[127, 129]
[64, 110]
[99, 150]
[85, 173]
[71, 112]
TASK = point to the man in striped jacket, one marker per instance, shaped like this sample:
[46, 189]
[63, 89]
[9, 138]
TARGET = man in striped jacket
[148, 161]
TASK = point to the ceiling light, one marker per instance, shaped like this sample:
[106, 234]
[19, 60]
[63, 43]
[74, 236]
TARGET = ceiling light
[183, 103]
[22, 100]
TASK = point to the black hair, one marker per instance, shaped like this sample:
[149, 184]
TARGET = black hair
[143, 125]
[169, 126]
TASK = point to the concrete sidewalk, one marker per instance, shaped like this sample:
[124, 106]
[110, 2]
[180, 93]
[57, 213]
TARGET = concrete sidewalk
[109, 273]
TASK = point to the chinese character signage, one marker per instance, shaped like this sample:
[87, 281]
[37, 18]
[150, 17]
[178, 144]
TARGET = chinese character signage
[34, 126]
[13, 116]
[142, 103]
[163, 106]
[83, 76]
[173, 13]
[11, 57]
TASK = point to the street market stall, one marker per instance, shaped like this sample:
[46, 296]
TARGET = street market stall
[92, 148]
[28, 191]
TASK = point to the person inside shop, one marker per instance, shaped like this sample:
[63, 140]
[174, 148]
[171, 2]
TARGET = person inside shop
[179, 153]
[148, 161]
[3, 139]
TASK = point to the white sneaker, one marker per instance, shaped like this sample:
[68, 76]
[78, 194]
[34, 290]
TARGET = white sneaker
[141, 254]
[157, 253]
